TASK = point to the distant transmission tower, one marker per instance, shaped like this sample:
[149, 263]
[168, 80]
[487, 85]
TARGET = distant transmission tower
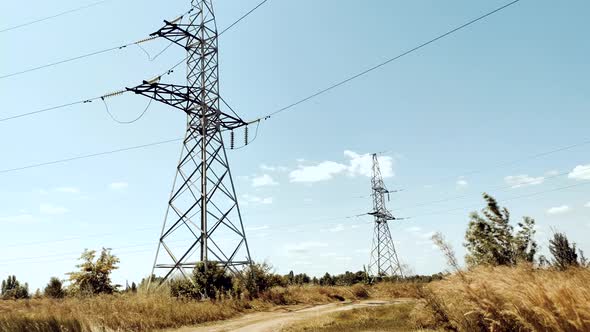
[383, 261]
[203, 221]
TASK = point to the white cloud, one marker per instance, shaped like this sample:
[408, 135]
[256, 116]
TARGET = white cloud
[342, 227]
[46, 208]
[357, 165]
[269, 168]
[462, 183]
[256, 228]
[68, 190]
[580, 172]
[587, 205]
[363, 164]
[321, 172]
[517, 181]
[263, 180]
[414, 229]
[304, 247]
[559, 209]
[19, 219]
[119, 185]
[257, 200]
[552, 173]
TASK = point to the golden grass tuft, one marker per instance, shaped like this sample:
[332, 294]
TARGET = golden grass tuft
[508, 299]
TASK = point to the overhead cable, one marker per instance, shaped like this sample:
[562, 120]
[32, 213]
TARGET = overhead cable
[53, 16]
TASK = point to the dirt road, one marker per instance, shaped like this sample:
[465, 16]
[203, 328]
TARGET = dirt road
[274, 321]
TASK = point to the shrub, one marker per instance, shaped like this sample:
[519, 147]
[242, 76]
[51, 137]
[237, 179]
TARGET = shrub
[94, 277]
[207, 281]
[12, 289]
[54, 289]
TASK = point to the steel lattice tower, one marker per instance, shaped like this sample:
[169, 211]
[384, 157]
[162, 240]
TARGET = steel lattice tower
[383, 261]
[203, 221]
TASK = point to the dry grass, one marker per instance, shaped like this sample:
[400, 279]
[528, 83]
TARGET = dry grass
[145, 312]
[391, 318]
[508, 299]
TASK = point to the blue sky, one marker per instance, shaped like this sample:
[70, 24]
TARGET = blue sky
[509, 87]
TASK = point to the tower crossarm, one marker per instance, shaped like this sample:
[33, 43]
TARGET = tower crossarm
[187, 100]
[382, 215]
[178, 34]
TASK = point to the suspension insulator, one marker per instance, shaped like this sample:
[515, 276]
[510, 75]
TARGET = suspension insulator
[231, 140]
[246, 135]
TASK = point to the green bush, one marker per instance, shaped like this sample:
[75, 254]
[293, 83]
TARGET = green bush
[12, 289]
[54, 289]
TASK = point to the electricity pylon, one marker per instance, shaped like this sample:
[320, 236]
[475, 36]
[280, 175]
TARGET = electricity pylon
[383, 261]
[203, 221]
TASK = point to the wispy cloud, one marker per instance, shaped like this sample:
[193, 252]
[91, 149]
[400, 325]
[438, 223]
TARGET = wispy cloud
[357, 165]
[316, 173]
[462, 183]
[19, 219]
[51, 209]
[119, 185]
[580, 172]
[246, 198]
[68, 190]
[256, 228]
[342, 227]
[587, 205]
[559, 209]
[305, 247]
[269, 168]
[517, 181]
[263, 180]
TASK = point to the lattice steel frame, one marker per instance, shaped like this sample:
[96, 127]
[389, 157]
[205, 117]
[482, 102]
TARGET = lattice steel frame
[384, 260]
[203, 187]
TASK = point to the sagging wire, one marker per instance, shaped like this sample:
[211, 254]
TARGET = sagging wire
[75, 58]
[246, 138]
[120, 92]
[150, 58]
[125, 122]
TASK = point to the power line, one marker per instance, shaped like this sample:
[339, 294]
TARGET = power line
[390, 60]
[73, 58]
[169, 71]
[243, 17]
[59, 161]
[53, 16]
[83, 56]
[504, 200]
[501, 188]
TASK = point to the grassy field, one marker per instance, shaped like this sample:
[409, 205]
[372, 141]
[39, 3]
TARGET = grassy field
[508, 299]
[147, 312]
[483, 299]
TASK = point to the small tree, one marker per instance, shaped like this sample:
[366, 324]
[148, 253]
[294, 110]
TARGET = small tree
[490, 239]
[209, 282]
[94, 276]
[133, 287]
[13, 290]
[54, 289]
[564, 255]
[257, 278]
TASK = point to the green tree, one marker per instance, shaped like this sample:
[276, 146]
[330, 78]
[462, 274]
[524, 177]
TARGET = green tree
[12, 289]
[94, 275]
[54, 289]
[327, 280]
[490, 238]
[257, 278]
[208, 281]
[564, 254]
